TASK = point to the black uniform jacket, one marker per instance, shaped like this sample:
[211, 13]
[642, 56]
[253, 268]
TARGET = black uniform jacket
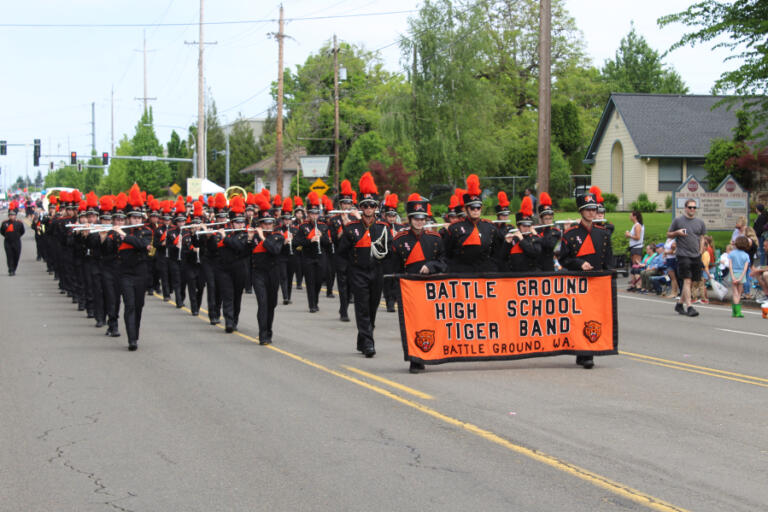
[413, 252]
[356, 241]
[581, 244]
[471, 247]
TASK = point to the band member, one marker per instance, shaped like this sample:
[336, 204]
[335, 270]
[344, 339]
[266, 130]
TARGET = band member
[502, 214]
[315, 244]
[266, 245]
[210, 253]
[94, 294]
[251, 221]
[286, 259]
[346, 203]
[389, 263]
[451, 216]
[549, 233]
[190, 256]
[229, 266]
[153, 274]
[330, 268]
[365, 242]
[416, 250]
[600, 217]
[300, 215]
[175, 262]
[110, 275]
[522, 246]
[12, 230]
[161, 250]
[586, 246]
[135, 240]
[472, 244]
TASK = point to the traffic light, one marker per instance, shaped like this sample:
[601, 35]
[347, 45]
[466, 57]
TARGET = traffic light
[73, 158]
[79, 167]
[37, 152]
[3, 147]
[105, 159]
[50, 165]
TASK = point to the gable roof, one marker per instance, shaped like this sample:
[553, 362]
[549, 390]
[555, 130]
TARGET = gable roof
[667, 125]
[290, 162]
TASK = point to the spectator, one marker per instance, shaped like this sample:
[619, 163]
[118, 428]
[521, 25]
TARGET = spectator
[723, 263]
[699, 291]
[688, 232]
[739, 265]
[670, 267]
[635, 234]
[761, 222]
[650, 252]
[529, 193]
[760, 274]
[738, 230]
[654, 267]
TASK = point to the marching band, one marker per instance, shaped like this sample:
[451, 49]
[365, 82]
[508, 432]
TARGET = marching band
[103, 251]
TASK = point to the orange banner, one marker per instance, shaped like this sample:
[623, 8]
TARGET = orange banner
[468, 318]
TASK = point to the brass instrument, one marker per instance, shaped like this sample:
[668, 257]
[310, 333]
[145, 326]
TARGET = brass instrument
[233, 191]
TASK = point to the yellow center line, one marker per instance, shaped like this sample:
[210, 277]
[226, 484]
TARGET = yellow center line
[706, 369]
[566, 467]
[391, 383]
[675, 367]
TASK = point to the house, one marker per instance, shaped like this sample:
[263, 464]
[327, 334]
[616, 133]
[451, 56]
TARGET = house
[651, 143]
[264, 172]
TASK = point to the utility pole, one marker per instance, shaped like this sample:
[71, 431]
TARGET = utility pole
[112, 119]
[226, 167]
[145, 98]
[279, 128]
[335, 114]
[201, 151]
[545, 99]
[93, 127]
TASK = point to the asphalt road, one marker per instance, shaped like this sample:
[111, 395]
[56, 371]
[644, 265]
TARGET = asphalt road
[200, 420]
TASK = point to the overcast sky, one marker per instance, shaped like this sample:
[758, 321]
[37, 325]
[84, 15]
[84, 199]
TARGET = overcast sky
[50, 75]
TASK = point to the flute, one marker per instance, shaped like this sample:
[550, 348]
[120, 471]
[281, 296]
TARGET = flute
[208, 231]
[187, 226]
[336, 212]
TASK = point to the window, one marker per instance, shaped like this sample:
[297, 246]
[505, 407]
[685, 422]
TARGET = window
[670, 173]
[696, 168]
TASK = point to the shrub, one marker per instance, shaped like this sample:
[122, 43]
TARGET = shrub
[567, 204]
[438, 210]
[668, 202]
[643, 204]
[611, 200]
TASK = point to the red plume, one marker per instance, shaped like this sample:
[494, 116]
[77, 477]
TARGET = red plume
[201, 199]
[198, 209]
[346, 188]
[134, 197]
[250, 198]
[82, 206]
[277, 200]
[150, 197]
[180, 206]
[526, 206]
[237, 204]
[166, 206]
[188, 200]
[460, 196]
[91, 199]
[473, 185]
[287, 204]
[261, 202]
[121, 201]
[265, 193]
[544, 199]
[391, 201]
[414, 197]
[354, 196]
[367, 185]
[595, 190]
[76, 196]
[327, 203]
[297, 201]
[154, 204]
[429, 209]
[143, 196]
[453, 203]
[220, 201]
[106, 203]
[503, 200]
[313, 199]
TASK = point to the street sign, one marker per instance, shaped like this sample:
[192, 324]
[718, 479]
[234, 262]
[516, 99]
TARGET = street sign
[149, 158]
[194, 187]
[319, 187]
[175, 189]
[314, 166]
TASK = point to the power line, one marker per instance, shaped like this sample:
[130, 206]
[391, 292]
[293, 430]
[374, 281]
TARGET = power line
[186, 24]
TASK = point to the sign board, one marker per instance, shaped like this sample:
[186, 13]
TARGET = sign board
[484, 317]
[175, 189]
[194, 187]
[149, 158]
[314, 166]
[319, 187]
[719, 208]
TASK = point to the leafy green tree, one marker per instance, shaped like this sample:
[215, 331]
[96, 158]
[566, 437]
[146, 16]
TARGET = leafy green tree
[92, 173]
[367, 148]
[566, 127]
[215, 141]
[65, 177]
[745, 159]
[39, 179]
[117, 179]
[638, 68]
[244, 152]
[154, 177]
[740, 27]
[177, 148]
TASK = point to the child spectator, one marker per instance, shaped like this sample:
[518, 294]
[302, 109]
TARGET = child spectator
[639, 267]
[723, 263]
[670, 249]
[738, 263]
[654, 267]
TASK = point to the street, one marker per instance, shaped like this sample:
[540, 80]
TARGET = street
[200, 420]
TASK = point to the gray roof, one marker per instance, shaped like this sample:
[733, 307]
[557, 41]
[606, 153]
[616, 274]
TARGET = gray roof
[668, 125]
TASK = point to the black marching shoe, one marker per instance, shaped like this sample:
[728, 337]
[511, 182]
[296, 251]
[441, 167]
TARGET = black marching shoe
[99, 323]
[90, 315]
[691, 311]
[586, 361]
[286, 302]
[179, 305]
[313, 310]
[369, 351]
[229, 329]
[166, 299]
[132, 345]
[265, 341]
[215, 321]
[417, 368]
[113, 333]
[391, 308]
[344, 318]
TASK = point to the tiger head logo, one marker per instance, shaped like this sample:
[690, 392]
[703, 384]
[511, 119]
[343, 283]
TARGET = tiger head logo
[592, 330]
[425, 340]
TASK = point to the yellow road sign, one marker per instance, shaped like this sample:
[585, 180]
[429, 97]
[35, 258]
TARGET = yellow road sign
[175, 189]
[319, 186]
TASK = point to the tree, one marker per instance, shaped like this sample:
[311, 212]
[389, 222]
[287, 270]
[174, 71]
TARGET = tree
[366, 149]
[566, 127]
[215, 141]
[741, 157]
[39, 179]
[117, 179]
[393, 177]
[154, 177]
[177, 148]
[638, 68]
[244, 152]
[742, 22]
[92, 173]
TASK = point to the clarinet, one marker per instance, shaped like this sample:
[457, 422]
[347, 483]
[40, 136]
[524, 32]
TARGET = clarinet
[319, 242]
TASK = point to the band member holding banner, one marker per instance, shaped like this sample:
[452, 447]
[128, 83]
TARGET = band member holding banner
[522, 247]
[365, 243]
[586, 246]
[472, 244]
[418, 251]
[389, 263]
[502, 213]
